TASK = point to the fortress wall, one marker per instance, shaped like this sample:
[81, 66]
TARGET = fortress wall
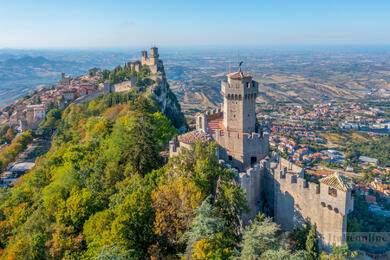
[242, 147]
[230, 145]
[296, 201]
[125, 85]
[256, 145]
[251, 182]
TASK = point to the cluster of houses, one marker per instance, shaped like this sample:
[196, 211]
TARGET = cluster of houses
[301, 153]
[375, 189]
[296, 129]
[353, 115]
[27, 113]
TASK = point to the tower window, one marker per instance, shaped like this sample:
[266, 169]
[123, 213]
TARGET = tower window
[230, 158]
[332, 192]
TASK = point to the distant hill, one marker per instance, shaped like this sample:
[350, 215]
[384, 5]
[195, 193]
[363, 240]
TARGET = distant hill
[27, 61]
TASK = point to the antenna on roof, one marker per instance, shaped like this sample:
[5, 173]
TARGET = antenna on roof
[239, 66]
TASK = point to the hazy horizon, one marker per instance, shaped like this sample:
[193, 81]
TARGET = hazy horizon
[73, 24]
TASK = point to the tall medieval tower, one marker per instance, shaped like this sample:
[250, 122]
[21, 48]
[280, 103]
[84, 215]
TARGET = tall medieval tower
[240, 145]
[239, 94]
[153, 59]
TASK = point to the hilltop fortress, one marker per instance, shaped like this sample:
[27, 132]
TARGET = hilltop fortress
[273, 185]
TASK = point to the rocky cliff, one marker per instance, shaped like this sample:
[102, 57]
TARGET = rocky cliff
[168, 102]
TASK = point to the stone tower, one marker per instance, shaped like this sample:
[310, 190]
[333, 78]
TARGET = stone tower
[144, 57]
[153, 56]
[240, 145]
[239, 94]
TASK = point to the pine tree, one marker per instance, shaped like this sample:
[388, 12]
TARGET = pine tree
[204, 225]
[312, 244]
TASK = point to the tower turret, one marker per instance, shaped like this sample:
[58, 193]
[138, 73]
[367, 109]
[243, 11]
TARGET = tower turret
[153, 56]
[239, 94]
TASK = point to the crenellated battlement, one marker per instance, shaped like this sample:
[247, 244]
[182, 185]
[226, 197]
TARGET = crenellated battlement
[214, 113]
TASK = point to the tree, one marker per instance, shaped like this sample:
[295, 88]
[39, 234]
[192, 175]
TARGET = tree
[97, 231]
[342, 253]
[140, 147]
[133, 226]
[38, 246]
[113, 252]
[203, 238]
[163, 128]
[65, 242]
[10, 134]
[174, 203]
[212, 248]
[258, 238]
[205, 224]
[312, 244]
[77, 208]
[300, 235]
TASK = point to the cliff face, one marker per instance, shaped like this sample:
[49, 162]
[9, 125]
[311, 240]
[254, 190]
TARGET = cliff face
[168, 102]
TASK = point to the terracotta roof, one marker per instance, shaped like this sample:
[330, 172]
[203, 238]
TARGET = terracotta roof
[239, 75]
[193, 136]
[214, 124]
[337, 181]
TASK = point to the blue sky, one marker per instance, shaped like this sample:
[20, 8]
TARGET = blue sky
[114, 23]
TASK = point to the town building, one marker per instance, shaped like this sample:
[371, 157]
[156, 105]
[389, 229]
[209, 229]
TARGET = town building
[65, 80]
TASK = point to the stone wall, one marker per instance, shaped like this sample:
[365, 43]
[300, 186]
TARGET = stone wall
[241, 148]
[124, 86]
[276, 188]
[294, 200]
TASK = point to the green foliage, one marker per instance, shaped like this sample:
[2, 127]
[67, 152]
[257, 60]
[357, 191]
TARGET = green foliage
[133, 227]
[52, 119]
[114, 253]
[362, 220]
[342, 253]
[379, 149]
[300, 235]
[7, 133]
[118, 75]
[142, 78]
[259, 237]
[205, 225]
[312, 244]
[19, 144]
[101, 151]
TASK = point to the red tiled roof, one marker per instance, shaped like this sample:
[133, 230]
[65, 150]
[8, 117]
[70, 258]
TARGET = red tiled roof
[214, 124]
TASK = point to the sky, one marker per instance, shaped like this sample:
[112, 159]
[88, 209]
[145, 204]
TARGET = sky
[115, 23]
